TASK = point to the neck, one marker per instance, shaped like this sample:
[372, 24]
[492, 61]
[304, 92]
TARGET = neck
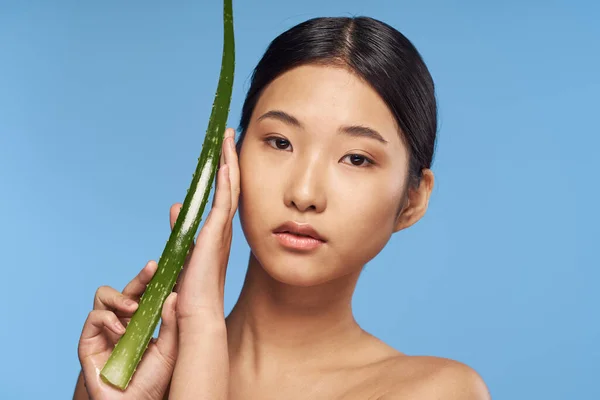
[275, 324]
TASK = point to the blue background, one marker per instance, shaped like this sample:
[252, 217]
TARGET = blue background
[103, 108]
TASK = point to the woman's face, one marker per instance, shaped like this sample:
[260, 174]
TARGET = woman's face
[322, 148]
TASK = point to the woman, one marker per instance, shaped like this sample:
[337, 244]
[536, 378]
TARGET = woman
[337, 136]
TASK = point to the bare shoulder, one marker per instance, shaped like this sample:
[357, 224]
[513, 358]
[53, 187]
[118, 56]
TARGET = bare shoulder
[417, 377]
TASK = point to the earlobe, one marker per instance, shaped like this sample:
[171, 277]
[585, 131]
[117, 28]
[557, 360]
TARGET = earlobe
[417, 202]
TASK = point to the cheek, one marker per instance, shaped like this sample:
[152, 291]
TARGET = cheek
[257, 195]
[249, 190]
[366, 215]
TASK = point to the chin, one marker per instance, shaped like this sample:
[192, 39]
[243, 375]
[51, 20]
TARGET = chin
[296, 269]
[295, 274]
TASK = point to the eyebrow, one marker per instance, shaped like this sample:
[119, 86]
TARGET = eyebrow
[349, 130]
[281, 116]
[362, 131]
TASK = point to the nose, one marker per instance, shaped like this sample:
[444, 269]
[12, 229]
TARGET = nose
[305, 188]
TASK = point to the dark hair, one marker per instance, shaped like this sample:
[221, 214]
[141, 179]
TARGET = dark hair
[378, 54]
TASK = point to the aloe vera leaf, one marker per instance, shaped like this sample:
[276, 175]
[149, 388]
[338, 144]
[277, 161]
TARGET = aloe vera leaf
[126, 355]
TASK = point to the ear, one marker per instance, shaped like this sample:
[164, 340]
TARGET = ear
[418, 201]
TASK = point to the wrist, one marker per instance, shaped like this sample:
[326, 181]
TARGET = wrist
[202, 324]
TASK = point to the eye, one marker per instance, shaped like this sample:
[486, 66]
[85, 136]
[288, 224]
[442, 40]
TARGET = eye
[359, 160]
[278, 143]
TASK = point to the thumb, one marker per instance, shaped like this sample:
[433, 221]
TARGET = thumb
[167, 340]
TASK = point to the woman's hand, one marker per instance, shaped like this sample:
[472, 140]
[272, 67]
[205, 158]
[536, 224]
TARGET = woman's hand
[202, 368]
[201, 284]
[196, 304]
[106, 324]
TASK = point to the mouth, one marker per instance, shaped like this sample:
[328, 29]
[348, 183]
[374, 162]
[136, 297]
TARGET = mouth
[299, 230]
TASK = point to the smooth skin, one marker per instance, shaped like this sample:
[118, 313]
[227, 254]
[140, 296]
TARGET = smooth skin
[292, 333]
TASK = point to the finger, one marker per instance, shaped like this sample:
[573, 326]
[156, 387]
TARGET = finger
[168, 333]
[137, 286]
[218, 217]
[222, 156]
[108, 298]
[98, 320]
[173, 215]
[232, 161]
[222, 159]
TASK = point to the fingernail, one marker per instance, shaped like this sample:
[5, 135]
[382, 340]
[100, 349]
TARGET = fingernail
[119, 328]
[232, 144]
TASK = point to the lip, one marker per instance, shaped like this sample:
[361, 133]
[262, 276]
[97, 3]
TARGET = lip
[297, 243]
[298, 237]
[295, 228]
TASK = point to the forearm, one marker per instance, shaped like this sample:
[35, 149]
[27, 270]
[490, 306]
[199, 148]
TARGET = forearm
[80, 391]
[202, 367]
